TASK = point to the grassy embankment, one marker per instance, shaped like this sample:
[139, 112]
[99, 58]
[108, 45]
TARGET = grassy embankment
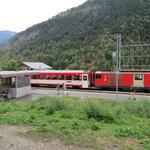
[97, 124]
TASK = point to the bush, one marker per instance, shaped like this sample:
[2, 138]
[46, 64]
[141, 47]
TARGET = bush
[145, 143]
[55, 105]
[94, 126]
[141, 108]
[95, 111]
[4, 108]
[134, 132]
[125, 132]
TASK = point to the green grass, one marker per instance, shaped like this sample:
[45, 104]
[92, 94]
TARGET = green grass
[99, 124]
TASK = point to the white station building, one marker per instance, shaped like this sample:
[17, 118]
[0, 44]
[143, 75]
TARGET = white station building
[15, 83]
[36, 66]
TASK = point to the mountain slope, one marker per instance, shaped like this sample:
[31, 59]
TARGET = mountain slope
[82, 37]
[6, 35]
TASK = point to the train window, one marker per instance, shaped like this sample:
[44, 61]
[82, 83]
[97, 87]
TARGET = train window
[61, 77]
[138, 77]
[33, 77]
[54, 77]
[47, 77]
[68, 77]
[85, 78]
[40, 76]
[98, 76]
[76, 77]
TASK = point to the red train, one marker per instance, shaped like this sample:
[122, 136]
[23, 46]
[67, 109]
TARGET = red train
[88, 79]
[139, 80]
[72, 78]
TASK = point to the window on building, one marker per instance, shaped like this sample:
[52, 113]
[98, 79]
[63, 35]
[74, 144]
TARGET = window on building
[68, 77]
[13, 81]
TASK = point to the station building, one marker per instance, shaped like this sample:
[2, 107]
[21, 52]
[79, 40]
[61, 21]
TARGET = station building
[15, 83]
[36, 66]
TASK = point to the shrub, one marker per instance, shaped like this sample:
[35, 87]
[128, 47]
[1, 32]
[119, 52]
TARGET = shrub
[145, 143]
[95, 111]
[94, 126]
[4, 108]
[125, 132]
[141, 108]
[32, 106]
[134, 132]
[55, 105]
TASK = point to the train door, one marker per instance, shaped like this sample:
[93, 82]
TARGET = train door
[85, 82]
[138, 80]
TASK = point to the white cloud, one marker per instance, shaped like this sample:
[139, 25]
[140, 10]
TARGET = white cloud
[17, 15]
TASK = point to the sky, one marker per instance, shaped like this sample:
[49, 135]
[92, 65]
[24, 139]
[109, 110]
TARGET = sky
[18, 15]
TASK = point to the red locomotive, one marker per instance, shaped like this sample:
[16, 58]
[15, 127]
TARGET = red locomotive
[87, 79]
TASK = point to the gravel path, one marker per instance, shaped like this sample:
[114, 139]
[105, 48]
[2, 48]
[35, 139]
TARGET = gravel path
[10, 139]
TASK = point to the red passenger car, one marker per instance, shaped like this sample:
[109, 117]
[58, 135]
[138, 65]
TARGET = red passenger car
[71, 78]
[139, 80]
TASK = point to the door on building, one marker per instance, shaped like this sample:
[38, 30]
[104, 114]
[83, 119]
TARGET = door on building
[138, 80]
[85, 82]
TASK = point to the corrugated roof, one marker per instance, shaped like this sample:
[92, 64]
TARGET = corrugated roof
[36, 65]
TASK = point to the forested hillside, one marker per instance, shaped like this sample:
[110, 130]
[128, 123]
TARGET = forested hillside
[82, 37]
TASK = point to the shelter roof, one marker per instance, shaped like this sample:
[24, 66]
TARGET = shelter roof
[7, 74]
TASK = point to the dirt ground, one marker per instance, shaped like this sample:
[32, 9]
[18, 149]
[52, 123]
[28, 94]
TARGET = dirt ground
[10, 139]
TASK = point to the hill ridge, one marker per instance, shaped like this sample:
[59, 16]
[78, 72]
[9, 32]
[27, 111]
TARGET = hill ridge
[82, 37]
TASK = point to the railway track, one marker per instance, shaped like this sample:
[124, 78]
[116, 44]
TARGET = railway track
[94, 91]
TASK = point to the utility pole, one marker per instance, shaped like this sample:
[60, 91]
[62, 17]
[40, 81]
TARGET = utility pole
[118, 64]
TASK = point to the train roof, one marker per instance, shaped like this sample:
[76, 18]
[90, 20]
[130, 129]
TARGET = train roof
[62, 71]
[113, 72]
